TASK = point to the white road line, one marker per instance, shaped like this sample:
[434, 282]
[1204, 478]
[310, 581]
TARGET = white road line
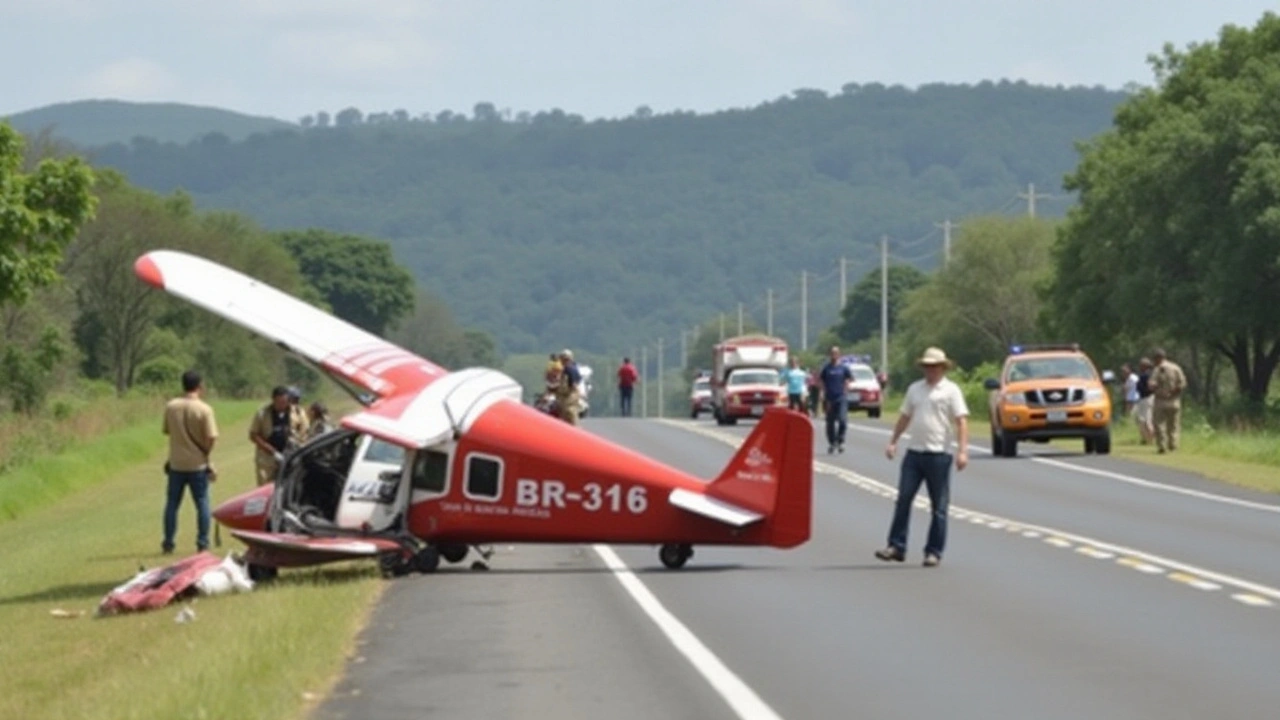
[1253, 600]
[745, 703]
[1119, 477]
[1052, 536]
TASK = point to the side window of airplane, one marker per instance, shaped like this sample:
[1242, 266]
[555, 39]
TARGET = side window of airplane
[430, 471]
[484, 477]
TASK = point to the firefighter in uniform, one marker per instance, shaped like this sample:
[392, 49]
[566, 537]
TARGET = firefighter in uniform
[567, 389]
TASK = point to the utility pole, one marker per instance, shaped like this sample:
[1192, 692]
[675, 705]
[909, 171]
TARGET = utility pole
[946, 226]
[721, 327]
[769, 312]
[844, 292]
[644, 382]
[684, 350]
[660, 395]
[1030, 196]
[804, 310]
[739, 318]
[884, 303]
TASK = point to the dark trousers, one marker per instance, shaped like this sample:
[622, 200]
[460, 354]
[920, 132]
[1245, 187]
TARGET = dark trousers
[934, 470]
[837, 420]
[198, 481]
[813, 401]
[795, 402]
[624, 399]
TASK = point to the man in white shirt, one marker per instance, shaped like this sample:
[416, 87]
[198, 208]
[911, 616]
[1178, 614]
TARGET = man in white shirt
[1131, 396]
[935, 412]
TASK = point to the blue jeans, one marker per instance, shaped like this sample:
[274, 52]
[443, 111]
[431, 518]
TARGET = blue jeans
[624, 400]
[837, 420]
[198, 481]
[934, 470]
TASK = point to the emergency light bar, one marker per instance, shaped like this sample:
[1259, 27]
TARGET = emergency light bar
[1019, 349]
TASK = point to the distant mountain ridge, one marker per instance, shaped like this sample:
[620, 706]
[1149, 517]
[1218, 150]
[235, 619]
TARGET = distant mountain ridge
[89, 123]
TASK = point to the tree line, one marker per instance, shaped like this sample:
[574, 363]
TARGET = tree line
[74, 313]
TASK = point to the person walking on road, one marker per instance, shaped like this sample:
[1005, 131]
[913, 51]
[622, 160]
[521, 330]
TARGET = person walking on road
[934, 410]
[192, 429]
[795, 378]
[835, 377]
[627, 379]
[1167, 384]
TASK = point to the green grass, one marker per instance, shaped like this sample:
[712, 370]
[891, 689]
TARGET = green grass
[266, 654]
[43, 480]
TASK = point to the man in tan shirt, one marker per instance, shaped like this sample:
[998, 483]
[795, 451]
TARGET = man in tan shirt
[1167, 383]
[192, 431]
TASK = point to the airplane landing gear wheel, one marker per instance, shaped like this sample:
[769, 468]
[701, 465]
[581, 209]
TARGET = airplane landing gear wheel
[395, 564]
[262, 573]
[675, 555]
[454, 552]
[427, 559]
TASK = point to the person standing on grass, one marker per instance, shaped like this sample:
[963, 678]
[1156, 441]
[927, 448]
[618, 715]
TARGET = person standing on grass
[933, 410]
[1131, 397]
[1142, 412]
[1167, 384]
[192, 429]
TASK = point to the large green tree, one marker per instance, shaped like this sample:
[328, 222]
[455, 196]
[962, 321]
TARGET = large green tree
[988, 296]
[40, 213]
[1178, 225]
[860, 318]
[357, 276]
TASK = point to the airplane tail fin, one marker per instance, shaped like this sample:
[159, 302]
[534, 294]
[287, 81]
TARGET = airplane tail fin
[772, 473]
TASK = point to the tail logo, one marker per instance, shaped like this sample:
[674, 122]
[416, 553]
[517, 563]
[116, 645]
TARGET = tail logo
[759, 467]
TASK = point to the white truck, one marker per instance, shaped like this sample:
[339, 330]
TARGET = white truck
[745, 377]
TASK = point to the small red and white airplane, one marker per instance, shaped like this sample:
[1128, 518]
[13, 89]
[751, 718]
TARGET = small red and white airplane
[438, 462]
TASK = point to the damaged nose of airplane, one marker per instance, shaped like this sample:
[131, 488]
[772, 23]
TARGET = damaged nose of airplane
[247, 511]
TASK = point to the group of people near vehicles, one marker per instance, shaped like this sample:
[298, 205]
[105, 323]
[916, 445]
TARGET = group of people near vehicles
[1153, 397]
[278, 427]
[561, 395]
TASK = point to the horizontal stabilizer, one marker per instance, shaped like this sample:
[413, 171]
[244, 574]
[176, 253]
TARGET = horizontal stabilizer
[700, 504]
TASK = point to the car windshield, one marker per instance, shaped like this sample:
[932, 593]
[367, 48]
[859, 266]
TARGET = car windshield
[702, 386]
[1052, 368]
[754, 377]
[862, 373]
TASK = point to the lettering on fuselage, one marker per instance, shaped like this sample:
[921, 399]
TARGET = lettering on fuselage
[539, 499]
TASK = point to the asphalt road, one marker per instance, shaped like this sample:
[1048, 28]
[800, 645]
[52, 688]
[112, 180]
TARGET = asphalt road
[1072, 587]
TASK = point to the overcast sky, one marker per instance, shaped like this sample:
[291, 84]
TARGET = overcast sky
[288, 58]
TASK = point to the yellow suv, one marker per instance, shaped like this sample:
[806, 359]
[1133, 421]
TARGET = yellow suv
[1047, 392]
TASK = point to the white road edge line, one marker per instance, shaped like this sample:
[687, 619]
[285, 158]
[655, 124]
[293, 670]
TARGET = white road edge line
[1054, 536]
[745, 703]
[1119, 477]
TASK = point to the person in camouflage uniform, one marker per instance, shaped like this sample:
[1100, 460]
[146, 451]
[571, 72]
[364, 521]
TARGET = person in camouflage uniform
[567, 391]
[1167, 384]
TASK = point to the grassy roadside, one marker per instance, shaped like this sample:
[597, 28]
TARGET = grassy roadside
[267, 654]
[1245, 459]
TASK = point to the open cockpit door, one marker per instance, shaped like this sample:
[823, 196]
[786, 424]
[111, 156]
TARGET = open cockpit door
[350, 355]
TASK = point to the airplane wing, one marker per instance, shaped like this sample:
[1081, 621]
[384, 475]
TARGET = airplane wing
[290, 549]
[336, 346]
[438, 411]
[701, 504]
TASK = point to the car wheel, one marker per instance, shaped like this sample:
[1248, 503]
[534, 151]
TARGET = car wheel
[693, 414]
[1089, 446]
[1102, 443]
[997, 443]
[1009, 447]
[873, 413]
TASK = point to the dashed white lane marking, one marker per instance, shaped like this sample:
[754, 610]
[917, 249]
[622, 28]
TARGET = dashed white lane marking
[1095, 553]
[1139, 560]
[1119, 477]
[745, 703]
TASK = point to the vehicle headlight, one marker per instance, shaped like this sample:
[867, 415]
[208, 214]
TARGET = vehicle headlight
[1094, 394]
[1015, 398]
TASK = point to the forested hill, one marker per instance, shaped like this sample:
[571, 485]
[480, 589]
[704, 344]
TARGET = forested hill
[547, 230]
[98, 122]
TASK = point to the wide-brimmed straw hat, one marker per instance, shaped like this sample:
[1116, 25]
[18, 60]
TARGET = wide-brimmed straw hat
[934, 356]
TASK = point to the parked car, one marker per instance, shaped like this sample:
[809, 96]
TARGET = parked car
[1047, 392]
[865, 392]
